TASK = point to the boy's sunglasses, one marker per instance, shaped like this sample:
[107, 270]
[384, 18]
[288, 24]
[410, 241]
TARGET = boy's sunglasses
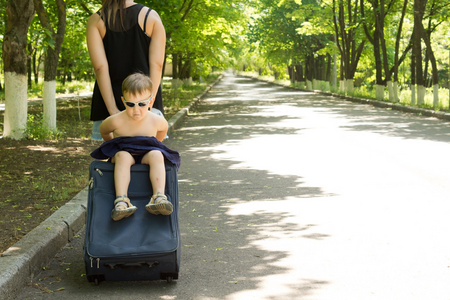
[140, 103]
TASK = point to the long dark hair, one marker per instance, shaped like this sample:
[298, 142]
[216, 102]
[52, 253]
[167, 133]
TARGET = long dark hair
[111, 9]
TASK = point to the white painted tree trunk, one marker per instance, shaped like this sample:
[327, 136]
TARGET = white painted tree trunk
[176, 83]
[395, 88]
[308, 85]
[349, 87]
[342, 86]
[334, 77]
[436, 95]
[187, 81]
[390, 88]
[16, 105]
[49, 103]
[379, 92]
[413, 94]
[420, 94]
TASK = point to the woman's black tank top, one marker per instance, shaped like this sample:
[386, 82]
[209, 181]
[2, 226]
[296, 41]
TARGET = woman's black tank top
[126, 47]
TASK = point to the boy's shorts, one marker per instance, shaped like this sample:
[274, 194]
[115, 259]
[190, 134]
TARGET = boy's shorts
[137, 158]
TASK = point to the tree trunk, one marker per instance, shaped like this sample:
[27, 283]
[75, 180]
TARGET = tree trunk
[434, 69]
[413, 78]
[334, 76]
[19, 16]
[390, 88]
[397, 49]
[375, 41]
[29, 63]
[299, 73]
[291, 73]
[346, 25]
[35, 68]
[174, 66]
[51, 59]
[419, 6]
[387, 73]
[379, 91]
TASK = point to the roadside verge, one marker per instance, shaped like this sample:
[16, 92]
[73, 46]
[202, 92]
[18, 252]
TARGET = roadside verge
[377, 103]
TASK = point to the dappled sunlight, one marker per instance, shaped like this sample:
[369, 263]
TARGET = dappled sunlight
[67, 150]
[286, 197]
[43, 148]
[282, 228]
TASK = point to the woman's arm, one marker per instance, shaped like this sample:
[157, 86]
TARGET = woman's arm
[94, 38]
[155, 29]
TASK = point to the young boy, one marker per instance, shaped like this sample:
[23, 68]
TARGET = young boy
[134, 136]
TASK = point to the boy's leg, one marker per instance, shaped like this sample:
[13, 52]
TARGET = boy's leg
[155, 159]
[159, 203]
[122, 165]
[122, 205]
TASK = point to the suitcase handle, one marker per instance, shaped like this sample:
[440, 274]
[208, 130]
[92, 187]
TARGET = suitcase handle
[150, 265]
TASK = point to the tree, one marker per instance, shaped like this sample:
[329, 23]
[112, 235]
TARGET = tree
[374, 28]
[317, 37]
[74, 62]
[347, 23]
[56, 38]
[36, 36]
[20, 13]
[199, 34]
[291, 44]
[435, 13]
[419, 9]
[397, 50]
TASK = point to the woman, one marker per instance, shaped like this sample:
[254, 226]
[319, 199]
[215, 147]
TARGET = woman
[123, 37]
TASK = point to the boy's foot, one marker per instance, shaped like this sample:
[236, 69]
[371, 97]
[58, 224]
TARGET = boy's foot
[122, 208]
[159, 205]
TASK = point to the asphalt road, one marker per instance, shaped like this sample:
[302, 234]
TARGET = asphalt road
[293, 195]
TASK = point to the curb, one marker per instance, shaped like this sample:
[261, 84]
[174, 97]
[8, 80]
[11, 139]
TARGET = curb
[26, 258]
[20, 263]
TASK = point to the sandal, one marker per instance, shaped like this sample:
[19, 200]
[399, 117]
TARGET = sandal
[122, 208]
[159, 205]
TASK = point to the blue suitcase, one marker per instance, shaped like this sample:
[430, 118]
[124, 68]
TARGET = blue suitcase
[140, 247]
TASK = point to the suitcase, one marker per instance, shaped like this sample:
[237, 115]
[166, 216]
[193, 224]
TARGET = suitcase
[140, 247]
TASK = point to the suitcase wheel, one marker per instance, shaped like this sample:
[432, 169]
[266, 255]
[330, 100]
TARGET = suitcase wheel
[169, 277]
[96, 279]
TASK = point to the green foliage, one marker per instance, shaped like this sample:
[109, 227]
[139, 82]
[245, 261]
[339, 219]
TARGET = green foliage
[201, 35]
[36, 129]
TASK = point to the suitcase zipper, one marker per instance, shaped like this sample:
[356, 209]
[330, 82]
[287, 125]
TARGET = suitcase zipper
[91, 181]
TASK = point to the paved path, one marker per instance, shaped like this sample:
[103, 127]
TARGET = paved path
[294, 195]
